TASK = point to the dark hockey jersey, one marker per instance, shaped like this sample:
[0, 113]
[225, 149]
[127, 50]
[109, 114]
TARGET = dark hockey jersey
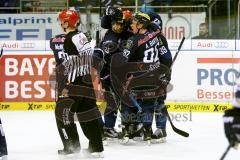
[112, 43]
[56, 44]
[148, 48]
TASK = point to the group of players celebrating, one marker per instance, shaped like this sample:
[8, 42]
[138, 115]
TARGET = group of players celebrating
[129, 39]
[134, 64]
[124, 33]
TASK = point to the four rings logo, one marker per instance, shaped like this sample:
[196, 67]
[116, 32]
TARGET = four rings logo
[27, 45]
[221, 44]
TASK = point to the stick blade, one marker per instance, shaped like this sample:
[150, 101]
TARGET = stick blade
[1, 53]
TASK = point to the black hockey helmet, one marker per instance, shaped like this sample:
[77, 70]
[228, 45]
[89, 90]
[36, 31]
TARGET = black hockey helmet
[142, 18]
[117, 15]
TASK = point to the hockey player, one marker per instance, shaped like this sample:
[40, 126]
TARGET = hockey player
[160, 133]
[3, 144]
[73, 54]
[70, 142]
[112, 42]
[231, 120]
[148, 45]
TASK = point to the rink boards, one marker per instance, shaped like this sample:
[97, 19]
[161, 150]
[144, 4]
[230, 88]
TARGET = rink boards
[172, 106]
[203, 77]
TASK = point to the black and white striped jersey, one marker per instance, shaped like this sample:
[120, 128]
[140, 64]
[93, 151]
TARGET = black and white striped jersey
[79, 60]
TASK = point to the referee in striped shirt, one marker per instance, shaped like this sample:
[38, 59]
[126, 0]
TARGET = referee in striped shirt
[77, 62]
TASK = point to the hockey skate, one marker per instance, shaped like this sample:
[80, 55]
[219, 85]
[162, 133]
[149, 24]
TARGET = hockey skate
[147, 133]
[110, 133]
[3, 156]
[69, 151]
[124, 136]
[159, 136]
[104, 140]
[89, 154]
[138, 134]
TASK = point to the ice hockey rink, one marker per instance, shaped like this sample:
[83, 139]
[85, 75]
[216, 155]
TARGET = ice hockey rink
[33, 135]
[203, 75]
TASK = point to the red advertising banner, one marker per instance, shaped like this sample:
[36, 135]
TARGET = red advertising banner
[25, 78]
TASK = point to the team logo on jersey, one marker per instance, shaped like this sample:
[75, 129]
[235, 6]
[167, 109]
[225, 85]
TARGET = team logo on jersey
[58, 39]
[82, 40]
[109, 46]
[129, 44]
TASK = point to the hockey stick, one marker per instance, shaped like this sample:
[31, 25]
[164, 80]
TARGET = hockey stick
[135, 103]
[178, 50]
[175, 129]
[1, 53]
[98, 32]
[225, 153]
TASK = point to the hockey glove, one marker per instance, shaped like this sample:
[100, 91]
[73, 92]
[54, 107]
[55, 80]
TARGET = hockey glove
[231, 121]
[164, 82]
[98, 59]
[88, 35]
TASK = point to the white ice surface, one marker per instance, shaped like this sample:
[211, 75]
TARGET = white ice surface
[34, 136]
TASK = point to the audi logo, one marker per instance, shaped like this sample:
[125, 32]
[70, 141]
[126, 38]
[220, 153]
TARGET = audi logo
[28, 45]
[221, 44]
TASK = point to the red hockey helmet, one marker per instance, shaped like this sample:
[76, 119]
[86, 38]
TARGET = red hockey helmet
[127, 14]
[70, 16]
